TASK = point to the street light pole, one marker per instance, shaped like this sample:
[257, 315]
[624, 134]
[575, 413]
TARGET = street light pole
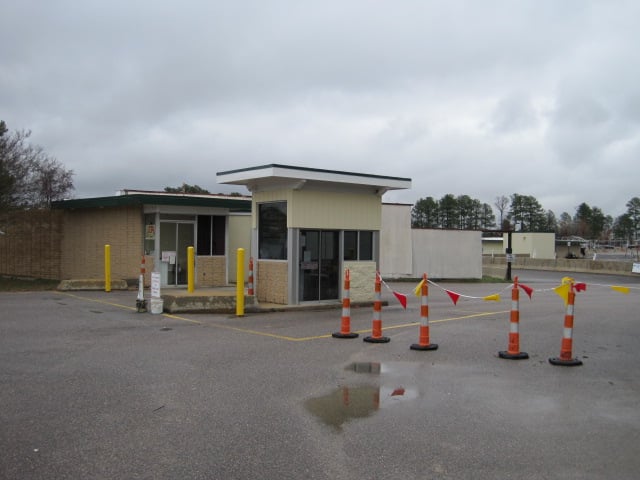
[509, 257]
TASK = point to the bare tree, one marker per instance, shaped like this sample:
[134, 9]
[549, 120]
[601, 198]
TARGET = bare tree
[50, 182]
[28, 176]
[501, 203]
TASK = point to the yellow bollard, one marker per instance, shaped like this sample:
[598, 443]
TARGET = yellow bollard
[240, 283]
[191, 267]
[107, 268]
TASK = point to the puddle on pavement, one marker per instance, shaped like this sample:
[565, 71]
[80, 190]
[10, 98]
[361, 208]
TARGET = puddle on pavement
[361, 401]
[344, 404]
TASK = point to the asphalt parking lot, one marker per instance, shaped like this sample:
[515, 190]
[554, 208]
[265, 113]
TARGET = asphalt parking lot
[91, 389]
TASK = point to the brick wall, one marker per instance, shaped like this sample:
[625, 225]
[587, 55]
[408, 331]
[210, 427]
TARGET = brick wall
[30, 246]
[272, 281]
[86, 231]
[211, 271]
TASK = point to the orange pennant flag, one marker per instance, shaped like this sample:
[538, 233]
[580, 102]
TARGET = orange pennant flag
[402, 298]
[527, 290]
[580, 287]
[454, 296]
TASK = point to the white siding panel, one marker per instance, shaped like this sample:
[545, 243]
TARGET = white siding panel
[395, 241]
[447, 253]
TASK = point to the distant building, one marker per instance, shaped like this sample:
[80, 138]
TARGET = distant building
[523, 244]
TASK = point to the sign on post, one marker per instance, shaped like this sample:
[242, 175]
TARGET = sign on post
[155, 284]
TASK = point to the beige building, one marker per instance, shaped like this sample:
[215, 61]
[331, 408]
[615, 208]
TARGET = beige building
[159, 227]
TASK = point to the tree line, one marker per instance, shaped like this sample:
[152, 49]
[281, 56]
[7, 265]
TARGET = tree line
[524, 213]
[30, 178]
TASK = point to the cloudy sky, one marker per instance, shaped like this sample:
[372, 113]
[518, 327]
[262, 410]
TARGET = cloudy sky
[478, 98]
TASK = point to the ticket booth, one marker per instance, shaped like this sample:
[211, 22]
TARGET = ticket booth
[308, 225]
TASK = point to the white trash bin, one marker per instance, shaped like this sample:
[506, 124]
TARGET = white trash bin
[157, 305]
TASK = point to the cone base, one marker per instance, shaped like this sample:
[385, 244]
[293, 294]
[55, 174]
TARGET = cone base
[430, 346]
[344, 335]
[141, 306]
[514, 356]
[573, 362]
[376, 339]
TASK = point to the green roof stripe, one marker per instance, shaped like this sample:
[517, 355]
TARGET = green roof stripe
[240, 205]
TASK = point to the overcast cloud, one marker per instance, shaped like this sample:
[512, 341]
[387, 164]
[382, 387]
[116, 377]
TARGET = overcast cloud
[478, 98]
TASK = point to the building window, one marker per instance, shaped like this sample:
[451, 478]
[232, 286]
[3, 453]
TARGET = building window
[358, 245]
[272, 230]
[365, 246]
[211, 235]
[351, 245]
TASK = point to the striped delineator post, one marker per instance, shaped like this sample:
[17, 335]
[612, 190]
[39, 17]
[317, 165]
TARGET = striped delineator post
[513, 352]
[250, 280]
[345, 326]
[566, 358]
[141, 303]
[376, 330]
[423, 342]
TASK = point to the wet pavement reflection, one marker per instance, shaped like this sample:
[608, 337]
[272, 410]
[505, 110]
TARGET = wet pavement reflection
[344, 404]
[389, 385]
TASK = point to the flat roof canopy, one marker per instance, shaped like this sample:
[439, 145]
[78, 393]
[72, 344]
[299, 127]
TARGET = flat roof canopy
[274, 176]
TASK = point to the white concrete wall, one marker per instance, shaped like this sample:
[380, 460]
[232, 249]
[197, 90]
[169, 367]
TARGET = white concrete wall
[405, 252]
[447, 253]
[395, 241]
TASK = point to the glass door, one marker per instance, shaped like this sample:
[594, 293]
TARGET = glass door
[319, 265]
[175, 238]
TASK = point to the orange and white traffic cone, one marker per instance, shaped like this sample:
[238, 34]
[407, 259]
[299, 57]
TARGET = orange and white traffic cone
[345, 327]
[513, 352]
[423, 342]
[376, 333]
[566, 358]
